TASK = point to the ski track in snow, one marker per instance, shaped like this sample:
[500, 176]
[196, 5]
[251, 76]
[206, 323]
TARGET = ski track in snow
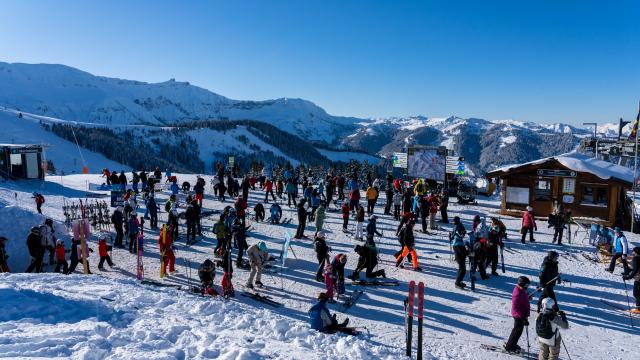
[64, 316]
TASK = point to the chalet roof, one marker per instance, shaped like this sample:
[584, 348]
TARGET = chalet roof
[577, 162]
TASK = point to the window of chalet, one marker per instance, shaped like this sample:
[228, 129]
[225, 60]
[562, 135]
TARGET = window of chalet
[543, 189]
[593, 194]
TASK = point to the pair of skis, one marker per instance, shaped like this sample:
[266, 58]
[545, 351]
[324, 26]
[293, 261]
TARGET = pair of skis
[374, 283]
[262, 298]
[409, 304]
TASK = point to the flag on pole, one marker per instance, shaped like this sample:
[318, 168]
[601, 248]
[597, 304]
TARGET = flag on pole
[634, 129]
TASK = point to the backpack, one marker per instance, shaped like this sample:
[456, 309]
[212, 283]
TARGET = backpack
[543, 327]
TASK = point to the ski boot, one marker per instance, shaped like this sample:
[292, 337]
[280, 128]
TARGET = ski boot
[461, 285]
[249, 286]
[259, 284]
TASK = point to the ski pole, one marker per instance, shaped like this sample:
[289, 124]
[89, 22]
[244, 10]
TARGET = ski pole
[565, 348]
[528, 345]
[626, 291]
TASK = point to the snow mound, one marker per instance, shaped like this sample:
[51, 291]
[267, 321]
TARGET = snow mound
[96, 318]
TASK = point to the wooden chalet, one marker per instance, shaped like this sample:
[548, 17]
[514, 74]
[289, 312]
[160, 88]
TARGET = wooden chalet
[591, 188]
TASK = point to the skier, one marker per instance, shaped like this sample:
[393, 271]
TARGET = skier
[191, 217]
[620, 250]
[320, 216]
[520, 310]
[359, 222]
[114, 179]
[221, 234]
[268, 189]
[407, 240]
[302, 219]
[322, 252]
[549, 271]
[497, 231]
[372, 230]
[345, 215]
[276, 213]
[4, 265]
[354, 199]
[122, 180]
[39, 199]
[240, 238]
[165, 245]
[314, 202]
[397, 202]
[207, 274]
[258, 255]
[198, 188]
[548, 325]
[433, 210]
[135, 180]
[528, 225]
[117, 219]
[321, 319]
[134, 229]
[103, 251]
[227, 265]
[152, 206]
[633, 274]
[559, 224]
[368, 259]
[372, 196]
[48, 239]
[459, 249]
[172, 221]
[337, 272]
[290, 189]
[60, 257]
[425, 207]
[36, 250]
[259, 210]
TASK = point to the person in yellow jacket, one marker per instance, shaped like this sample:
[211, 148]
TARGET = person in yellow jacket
[372, 196]
[420, 188]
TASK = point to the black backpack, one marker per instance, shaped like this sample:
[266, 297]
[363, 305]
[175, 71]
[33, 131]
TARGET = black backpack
[543, 326]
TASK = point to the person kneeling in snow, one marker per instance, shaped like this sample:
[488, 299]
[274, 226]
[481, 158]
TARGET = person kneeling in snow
[368, 260]
[321, 319]
[276, 213]
[207, 273]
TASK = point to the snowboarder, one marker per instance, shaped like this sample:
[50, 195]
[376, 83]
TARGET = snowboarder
[36, 250]
[520, 310]
[207, 274]
[321, 319]
[459, 249]
[60, 258]
[259, 211]
[633, 274]
[620, 250]
[165, 245]
[528, 225]
[322, 252]
[548, 325]
[258, 255]
[548, 272]
[4, 265]
[103, 251]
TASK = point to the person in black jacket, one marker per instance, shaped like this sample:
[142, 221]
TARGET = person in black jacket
[36, 250]
[368, 259]
[122, 180]
[4, 265]
[240, 237]
[548, 272]
[444, 203]
[152, 206]
[322, 253]
[459, 249]
[191, 216]
[259, 210]
[207, 274]
[424, 212]
[635, 275]
[117, 219]
[302, 219]
[372, 230]
[496, 233]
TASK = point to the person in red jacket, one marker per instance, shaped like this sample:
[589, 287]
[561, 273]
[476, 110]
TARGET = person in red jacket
[39, 201]
[60, 257]
[103, 251]
[345, 215]
[268, 189]
[528, 224]
[165, 243]
[241, 206]
[520, 310]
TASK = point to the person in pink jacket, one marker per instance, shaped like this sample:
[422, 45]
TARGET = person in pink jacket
[528, 224]
[520, 310]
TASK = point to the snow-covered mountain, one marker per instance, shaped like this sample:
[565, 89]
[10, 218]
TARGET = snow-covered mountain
[62, 92]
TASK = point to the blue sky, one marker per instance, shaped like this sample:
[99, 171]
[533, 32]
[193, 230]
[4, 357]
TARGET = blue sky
[543, 61]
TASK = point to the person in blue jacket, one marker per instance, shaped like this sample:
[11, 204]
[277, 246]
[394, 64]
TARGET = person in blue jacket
[621, 250]
[320, 318]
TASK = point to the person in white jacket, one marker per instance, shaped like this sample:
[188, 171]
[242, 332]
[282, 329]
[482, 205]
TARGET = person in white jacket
[257, 254]
[548, 325]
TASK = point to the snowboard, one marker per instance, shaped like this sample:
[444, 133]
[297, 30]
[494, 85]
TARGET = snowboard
[351, 300]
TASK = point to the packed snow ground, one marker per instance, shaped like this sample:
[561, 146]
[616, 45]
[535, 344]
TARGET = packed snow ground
[172, 324]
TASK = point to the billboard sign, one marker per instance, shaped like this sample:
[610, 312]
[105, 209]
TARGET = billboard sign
[427, 163]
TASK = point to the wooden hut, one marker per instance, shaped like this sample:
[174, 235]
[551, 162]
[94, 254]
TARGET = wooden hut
[590, 188]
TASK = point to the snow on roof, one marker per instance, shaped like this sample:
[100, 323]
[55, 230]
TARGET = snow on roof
[582, 163]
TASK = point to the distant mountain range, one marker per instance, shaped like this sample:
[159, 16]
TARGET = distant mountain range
[63, 92]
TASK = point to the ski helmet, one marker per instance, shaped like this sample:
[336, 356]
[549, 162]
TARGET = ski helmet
[548, 304]
[321, 235]
[262, 246]
[552, 255]
[35, 230]
[476, 218]
[523, 281]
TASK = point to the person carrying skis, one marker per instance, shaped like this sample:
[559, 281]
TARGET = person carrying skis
[548, 325]
[103, 251]
[497, 231]
[134, 229]
[633, 274]
[520, 310]
[36, 250]
[620, 250]
[322, 253]
[372, 230]
[152, 206]
[259, 211]
[165, 245]
[61, 262]
[320, 216]
[302, 219]
[528, 225]
[4, 265]
[368, 259]
[456, 238]
[207, 274]
[359, 222]
[320, 318]
[337, 272]
[39, 199]
[549, 272]
[276, 213]
[407, 240]
[258, 255]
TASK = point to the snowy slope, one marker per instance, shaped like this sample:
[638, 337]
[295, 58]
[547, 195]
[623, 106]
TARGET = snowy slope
[63, 153]
[456, 322]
